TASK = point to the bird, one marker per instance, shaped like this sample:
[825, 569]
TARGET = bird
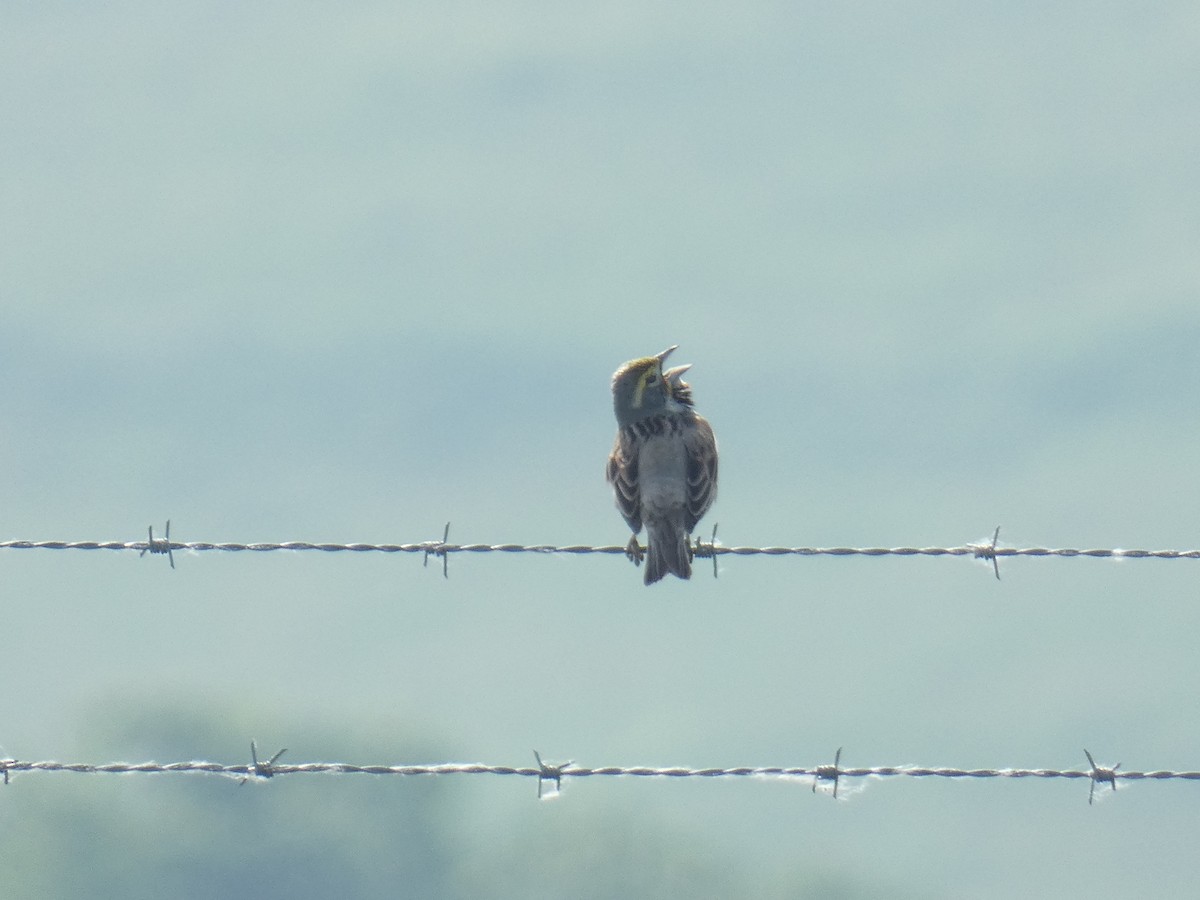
[663, 465]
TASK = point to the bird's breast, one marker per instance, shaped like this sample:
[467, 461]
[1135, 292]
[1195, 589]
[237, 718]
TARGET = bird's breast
[662, 474]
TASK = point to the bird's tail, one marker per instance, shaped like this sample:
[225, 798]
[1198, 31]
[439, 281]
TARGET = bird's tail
[667, 551]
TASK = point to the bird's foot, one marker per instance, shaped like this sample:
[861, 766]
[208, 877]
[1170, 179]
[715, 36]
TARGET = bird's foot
[634, 551]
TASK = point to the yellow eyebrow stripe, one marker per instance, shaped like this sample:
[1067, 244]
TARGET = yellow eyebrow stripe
[639, 389]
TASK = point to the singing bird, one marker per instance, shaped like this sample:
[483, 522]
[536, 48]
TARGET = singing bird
[663, 467]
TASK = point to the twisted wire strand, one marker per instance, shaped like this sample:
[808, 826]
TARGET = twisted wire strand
[440, 548]
[570, 770]
[827, 774]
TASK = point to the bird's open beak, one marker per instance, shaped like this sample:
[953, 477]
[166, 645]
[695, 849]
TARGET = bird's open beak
[673, 375]
[661, 357]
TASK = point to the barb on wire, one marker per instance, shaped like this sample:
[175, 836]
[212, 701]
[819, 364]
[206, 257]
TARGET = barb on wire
[261, 769]
[1100, 775]
[988, 550]
[163, 546]
[439, 548]
[702, 549]
[550, 773]
[545, 772]
[829, 773]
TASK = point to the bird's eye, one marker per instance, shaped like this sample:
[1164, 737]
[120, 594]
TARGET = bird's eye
[651, 378]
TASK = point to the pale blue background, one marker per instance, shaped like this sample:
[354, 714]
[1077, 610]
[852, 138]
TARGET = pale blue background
[346, 271]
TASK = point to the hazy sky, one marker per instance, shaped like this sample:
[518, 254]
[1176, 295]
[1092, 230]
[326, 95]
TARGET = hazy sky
[347, 271]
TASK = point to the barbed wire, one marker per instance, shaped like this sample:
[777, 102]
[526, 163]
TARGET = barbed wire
[986, 550]
[827, 775]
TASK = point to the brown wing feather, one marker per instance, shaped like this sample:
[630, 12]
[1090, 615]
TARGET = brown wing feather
[701, 446]
[622, 474]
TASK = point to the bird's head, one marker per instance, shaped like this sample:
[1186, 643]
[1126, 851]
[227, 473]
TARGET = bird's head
[642, 388]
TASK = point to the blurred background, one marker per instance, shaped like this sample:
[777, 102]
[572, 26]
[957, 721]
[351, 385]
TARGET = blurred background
[346, 272]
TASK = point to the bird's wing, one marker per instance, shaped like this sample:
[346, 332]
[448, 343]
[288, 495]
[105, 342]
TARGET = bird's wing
[701, 445]
[622, 474]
